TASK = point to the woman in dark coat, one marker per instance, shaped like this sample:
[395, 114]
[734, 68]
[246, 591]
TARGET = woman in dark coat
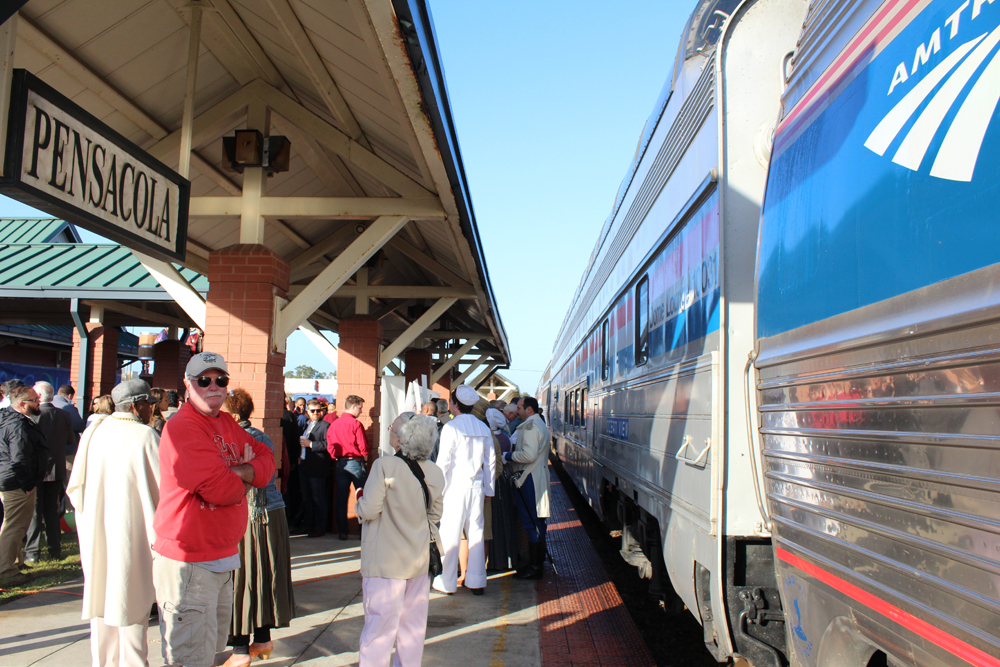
[262, 587]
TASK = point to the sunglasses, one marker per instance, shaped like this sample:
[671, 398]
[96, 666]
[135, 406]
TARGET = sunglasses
[204, 381]
[316, 411]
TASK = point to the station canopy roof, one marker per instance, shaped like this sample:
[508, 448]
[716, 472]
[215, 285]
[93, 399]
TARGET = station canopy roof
[357, 88]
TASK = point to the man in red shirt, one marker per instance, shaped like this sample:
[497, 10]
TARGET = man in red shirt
[207, 465]
[345, 440]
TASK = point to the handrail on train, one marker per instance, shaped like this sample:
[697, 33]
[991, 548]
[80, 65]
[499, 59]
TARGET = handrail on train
[751, 357]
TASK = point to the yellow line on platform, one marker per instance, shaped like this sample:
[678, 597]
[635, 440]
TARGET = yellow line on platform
[500, 643]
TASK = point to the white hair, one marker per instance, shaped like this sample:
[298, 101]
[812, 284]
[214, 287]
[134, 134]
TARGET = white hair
[510, 408]
[405, 417]
[418, 436]
[45, 392]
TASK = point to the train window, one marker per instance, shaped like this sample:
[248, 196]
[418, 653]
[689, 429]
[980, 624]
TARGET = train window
[642, 322]
[605, 359]
[567, 418]
[578, 408]
[583, 407]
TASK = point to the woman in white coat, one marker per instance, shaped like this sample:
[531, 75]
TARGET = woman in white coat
[115, 490]
[395, 543]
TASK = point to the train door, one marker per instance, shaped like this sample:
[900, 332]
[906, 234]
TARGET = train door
[587, 417]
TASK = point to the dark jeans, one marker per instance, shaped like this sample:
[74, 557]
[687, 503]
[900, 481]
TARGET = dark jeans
[313, 502]
[527, 510]
[348, 471]
[46, 520]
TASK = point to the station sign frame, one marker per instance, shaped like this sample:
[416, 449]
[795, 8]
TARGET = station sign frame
[51, 163]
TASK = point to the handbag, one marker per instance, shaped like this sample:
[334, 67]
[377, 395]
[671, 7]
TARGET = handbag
[434, 567]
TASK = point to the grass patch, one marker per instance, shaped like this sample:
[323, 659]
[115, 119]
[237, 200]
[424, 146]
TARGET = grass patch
[47, 572]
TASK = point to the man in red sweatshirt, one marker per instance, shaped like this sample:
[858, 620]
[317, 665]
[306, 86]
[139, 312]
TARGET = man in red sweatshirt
[346, 443]
[207, 465]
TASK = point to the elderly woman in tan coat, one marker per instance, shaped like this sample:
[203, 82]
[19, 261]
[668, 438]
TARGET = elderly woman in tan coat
[399, 517]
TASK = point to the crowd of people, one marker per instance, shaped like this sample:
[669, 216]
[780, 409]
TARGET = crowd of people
[178, 507]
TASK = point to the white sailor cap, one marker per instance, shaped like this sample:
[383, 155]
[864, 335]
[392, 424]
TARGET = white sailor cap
[466, 395]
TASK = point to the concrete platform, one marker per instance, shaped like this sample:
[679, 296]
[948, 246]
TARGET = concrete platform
[573, 618]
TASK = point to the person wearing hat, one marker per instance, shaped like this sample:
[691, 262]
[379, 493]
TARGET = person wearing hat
[207, 465]
[114, 488]
[468, 460]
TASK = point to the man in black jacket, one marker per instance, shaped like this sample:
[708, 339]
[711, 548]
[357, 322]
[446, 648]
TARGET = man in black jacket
[292, 492]
[314, 468]
[22, 466]
[57, 431]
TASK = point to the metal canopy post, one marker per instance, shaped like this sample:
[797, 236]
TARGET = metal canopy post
[254, 180]
[81, 376]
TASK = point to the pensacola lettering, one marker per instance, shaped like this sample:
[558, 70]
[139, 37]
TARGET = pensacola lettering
[70, 161]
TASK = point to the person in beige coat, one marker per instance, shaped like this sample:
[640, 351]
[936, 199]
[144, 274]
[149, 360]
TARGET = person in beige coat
[115, 490]
[531, 497]
[398, 525]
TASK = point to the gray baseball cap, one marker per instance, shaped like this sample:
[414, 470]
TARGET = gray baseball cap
[130, 391]
[203, 361]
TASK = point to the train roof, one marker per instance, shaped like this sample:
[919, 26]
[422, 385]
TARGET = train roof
[697, 40]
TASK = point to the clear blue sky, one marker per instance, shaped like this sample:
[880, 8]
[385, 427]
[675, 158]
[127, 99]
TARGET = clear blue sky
[549, 99]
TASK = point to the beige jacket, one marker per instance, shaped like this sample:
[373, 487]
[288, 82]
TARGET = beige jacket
[395, 535]
[531, 454]
[115, 489]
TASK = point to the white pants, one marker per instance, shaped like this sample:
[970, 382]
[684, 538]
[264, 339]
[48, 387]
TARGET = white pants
[123, 647]
[462, 510]
[395, 613]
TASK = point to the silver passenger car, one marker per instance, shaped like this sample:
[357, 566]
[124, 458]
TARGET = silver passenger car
[646, 392]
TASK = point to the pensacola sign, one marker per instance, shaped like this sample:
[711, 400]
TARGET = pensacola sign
[64, 161]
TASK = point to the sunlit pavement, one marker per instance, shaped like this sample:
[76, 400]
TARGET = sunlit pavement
[583, 621]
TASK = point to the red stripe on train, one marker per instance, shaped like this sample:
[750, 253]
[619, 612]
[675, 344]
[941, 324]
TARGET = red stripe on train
[791, 125]
[948, 642]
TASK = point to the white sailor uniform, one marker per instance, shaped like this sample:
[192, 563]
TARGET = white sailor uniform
[468, 460]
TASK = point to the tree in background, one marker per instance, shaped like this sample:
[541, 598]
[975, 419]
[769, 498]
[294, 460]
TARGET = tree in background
[309, 373]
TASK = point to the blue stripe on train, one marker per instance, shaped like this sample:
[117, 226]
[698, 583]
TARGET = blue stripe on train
[844, 227]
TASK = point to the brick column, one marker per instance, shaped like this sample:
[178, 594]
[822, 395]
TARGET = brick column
[358, 372]
[443, 385]
[170, 358]
[418, 362]
[243, 283]
[102, 361]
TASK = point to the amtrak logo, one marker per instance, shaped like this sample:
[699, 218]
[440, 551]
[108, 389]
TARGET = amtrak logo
[956, 159]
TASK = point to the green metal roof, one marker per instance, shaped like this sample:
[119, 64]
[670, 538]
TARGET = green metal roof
[78, 270]
[35, 230]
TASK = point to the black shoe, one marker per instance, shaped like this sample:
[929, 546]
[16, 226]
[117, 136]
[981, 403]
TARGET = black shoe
[478, 591]
[536, 555]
